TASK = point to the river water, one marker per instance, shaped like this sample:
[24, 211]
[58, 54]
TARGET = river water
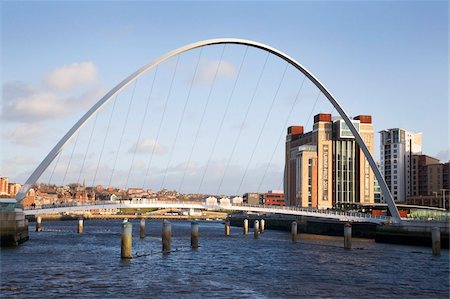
[60, 263]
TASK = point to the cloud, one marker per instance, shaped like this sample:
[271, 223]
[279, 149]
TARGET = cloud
[444, 155]
[71, 76]
[24, 102]
[25, 134]
[148, 146]
[209, 69]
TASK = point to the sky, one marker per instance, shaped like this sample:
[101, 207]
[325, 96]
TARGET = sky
[388, 59]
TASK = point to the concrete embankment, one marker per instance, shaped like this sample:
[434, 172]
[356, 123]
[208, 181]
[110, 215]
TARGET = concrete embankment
[407, 233]
[13, 228]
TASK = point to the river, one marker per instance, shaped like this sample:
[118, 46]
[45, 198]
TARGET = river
[60, 263]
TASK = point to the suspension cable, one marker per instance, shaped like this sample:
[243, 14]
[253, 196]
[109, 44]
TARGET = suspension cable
[203, 116]
[54, 167]
[242, 124]
[223, 119]
[70, 159]
[141, 127]
[282, 132]
[263, 127]
[87, 148]
[161, 121]
[123, 133]
[312, 110]
[104, 140]
[182, 117]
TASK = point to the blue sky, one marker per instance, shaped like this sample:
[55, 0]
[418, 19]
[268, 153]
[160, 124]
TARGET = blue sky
[384, 58]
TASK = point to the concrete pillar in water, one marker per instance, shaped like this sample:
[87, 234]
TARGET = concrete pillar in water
[227, 227]
[294, 231]
[436, 240]
[262, 225]
[166, 236]
[80, 226]
[142, 229]
[245, 226]
[127, 235]
[38, 223]
[256, 229]
[348, 236]
[194, 234]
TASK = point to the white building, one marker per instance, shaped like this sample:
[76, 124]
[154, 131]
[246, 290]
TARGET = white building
[396, 149]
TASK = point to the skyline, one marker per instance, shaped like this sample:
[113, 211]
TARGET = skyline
[70, 76]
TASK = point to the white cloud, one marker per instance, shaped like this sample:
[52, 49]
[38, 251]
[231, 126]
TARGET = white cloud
[148, 146]
[71, 76]
[207, 71]
[26, 134]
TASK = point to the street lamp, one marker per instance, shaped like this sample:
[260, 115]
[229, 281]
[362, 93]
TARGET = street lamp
[443, 197]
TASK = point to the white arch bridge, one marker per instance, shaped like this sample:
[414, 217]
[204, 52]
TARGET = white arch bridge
[133, 77]
[160, 204]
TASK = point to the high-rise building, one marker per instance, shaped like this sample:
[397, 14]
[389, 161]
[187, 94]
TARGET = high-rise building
[13, 189]
[325, 167]
[396, 149]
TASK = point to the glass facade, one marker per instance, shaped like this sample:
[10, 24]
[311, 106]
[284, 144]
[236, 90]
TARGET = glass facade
[346, 186]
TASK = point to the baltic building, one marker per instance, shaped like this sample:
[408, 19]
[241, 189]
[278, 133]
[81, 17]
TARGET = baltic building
[325, 168]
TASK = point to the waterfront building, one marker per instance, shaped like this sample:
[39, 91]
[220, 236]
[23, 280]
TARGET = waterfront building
[253, 198]
[4, 185]
[397, 146]
[429, 182]
[13, 189]
[274, 198]
[325, 168]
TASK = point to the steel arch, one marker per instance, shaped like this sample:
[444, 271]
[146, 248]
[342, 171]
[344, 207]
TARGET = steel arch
[79, 124]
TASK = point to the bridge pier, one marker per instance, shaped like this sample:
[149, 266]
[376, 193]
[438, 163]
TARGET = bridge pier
[227, 227]
[436, 240]
[245, 226]
[127, 236]
[38, 223]
[142, 229]
[262, 224]
[294, 232]
[348, 236]
[80, 226]
[194, 235]
[256, 229]
[166, 236]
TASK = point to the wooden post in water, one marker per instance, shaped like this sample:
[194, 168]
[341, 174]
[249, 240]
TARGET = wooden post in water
[294, 231]
[256, 229]
[127, 236]
[245, 226]
[142, 229]
[262, 224]
[80, 226]
[194, 235]
[348, 236]
[227, 227]
[166, 236]
[436, 240]
[38, 223]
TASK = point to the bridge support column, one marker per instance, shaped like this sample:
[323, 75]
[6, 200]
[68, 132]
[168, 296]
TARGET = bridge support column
[348, 236]
[127, 236]
[262, 224]
[436, 240]
[227, 227]
[142, 229]
[294, 232]
[38, 223]
[256, 229]
[166, 236]
[245, 226]
[194, 235]
[80, 226]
